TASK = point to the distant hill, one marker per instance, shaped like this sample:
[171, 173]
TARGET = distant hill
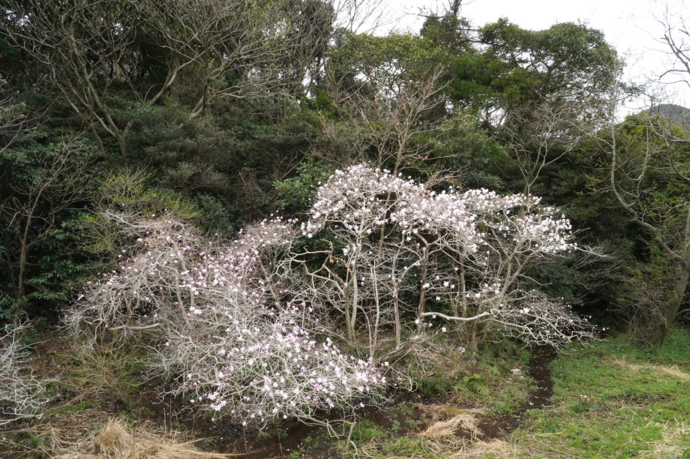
[675, 114]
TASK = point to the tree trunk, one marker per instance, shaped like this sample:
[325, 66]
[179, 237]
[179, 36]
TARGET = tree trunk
[658, 307]
[669, 310]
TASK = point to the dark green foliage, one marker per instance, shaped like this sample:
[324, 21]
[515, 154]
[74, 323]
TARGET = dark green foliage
[43, 189]
[295, 194]
[521, 66]
[366, 430]
[435, 386]
[133, 194]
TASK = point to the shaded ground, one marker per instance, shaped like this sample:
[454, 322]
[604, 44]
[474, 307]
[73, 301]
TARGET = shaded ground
[91, 388]
[540, 372]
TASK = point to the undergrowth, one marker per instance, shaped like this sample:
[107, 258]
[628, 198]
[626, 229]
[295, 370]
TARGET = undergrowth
[612, 398]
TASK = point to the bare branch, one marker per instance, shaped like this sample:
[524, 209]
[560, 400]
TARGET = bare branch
[21, 394]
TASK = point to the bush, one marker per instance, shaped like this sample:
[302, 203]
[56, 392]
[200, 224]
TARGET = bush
[254, 326]
[21, 394]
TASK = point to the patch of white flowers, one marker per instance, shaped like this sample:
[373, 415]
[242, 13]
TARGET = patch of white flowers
[251, 325]
[470, 246]
[219, 316]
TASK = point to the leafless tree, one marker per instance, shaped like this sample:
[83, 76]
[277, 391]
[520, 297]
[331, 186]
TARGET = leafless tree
[650, 179]
[470, 251]
[393, 127]
[21, 394]
[83, 46]
[539, 135]
[677, 40]
[362, 16]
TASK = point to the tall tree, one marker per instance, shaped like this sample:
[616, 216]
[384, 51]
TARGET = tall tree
[541, 92]
[650, 179]
[104, 55]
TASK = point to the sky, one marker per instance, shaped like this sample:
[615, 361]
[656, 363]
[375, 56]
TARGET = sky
[631, 26]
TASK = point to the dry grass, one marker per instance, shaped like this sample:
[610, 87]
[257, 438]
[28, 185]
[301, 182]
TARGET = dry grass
[116, 441]
[444, 429]
[668, 446]
[494, 448]
[443, 412]
[448, 420]
[673, 371]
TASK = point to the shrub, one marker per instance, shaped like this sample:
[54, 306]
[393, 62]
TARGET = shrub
[21, 393]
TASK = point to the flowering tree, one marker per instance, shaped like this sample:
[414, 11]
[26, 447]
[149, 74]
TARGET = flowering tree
[253, 326]
[220, 318]
[466, 253]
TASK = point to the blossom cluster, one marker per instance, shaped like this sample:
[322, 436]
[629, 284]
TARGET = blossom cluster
[543, 320]
[466, 249]
[220, 315]
[361, 199]
[259, 371]
[173, 271]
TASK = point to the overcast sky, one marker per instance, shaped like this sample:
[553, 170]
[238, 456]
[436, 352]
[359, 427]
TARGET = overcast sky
[631, 26]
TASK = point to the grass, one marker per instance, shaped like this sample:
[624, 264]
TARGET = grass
[86, 389]
[612, 399]
[450, 401]
[615, 399]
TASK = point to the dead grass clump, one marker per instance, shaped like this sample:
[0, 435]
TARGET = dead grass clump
[445, 429]
[448, 420]
[673, 371]
[494, 448]
[445, 412]
[115, 441]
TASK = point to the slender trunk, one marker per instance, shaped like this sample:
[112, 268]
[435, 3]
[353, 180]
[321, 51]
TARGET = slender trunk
[670, 308]
[421, 307]
[21, 291]
[354, 307]
[24, 251]
[398, 326]
[377, 302]
[474, 340]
